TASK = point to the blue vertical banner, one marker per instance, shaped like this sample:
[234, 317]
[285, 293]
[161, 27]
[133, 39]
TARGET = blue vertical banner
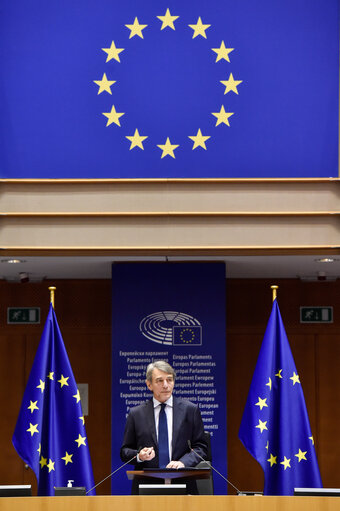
[275, 427]
[175, 89]
[50, 433]
[174, 312]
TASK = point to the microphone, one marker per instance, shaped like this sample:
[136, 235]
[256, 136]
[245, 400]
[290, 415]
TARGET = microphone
[209, 463]
[112, 473]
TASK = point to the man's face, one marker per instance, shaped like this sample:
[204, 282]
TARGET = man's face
[161, 386]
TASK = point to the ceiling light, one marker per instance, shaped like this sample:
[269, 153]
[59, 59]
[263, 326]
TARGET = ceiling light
[13, 261]
[325, 260]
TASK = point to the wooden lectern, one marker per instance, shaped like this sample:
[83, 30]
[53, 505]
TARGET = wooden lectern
[167, 476]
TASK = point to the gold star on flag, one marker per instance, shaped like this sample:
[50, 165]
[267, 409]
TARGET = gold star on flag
[50, 465]
[262, 425]
[168, 148]
[63, 381]
[301, 455]
[231, 84]
[104, 84]
[295, 378]
[43, 462]
[199, 28]
[267, 446]
[50, 375]
[113, 116]
[33, 429]
[261, 403]
[67, 458]
[77, 396]
[312, 439]
[222, 52]
[269, 384]
[272, 460]
[80, 440]
[222, 116]
[167, 20]
[113, 52]
[82, 418]
[136, 140]
[33, 406]
[39, 449]
[199, 140]
[41, 386]
[285, 462]
[278, 374]
[136, 29]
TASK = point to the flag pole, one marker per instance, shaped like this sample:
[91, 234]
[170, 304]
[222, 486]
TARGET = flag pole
[274, 290]
[51, 290]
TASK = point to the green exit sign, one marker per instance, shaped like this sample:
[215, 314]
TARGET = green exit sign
[23, 315]
[316, 314]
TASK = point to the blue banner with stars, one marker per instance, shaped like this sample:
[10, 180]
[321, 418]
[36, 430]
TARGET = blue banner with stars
[275, 427]
[50, 433]
[144, 89]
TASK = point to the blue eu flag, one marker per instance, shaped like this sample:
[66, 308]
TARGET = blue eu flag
[275, 427]
[50, 433]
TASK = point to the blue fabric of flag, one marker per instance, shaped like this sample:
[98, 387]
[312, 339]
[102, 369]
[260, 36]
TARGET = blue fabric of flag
[50, 434]
[145, 89]
[275, 426]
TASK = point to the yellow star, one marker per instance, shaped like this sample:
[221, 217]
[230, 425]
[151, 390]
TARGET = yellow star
[63, 381]
[278, 374]
[77, 396]
[113, 52]
[80, 440]
[168, 148]
[222, 52]
[136, 140]
[301, 455]
[168, 20]
[33, 406]
[41, 386]
[199, 28]
[312, 439]
[43, 462]
[222, 116]
[50, 465]
[113, 116]
[262, 425]
[33, 429]
[39, 449]
[82, 419]
[199, 140]
[272, 460]
[261, 403]
[285, 462]
[295, 378]
[67, 458]
[231, 84]
[267, 446]
[136, 29]
[269, 384]
[104, 84]
[50, 375]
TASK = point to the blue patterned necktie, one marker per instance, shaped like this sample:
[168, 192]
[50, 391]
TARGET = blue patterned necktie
[163, 442]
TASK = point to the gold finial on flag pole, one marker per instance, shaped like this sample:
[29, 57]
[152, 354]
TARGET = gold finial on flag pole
[274, 289]
[51, 290]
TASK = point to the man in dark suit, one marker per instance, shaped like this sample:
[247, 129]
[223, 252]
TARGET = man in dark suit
[145, 426]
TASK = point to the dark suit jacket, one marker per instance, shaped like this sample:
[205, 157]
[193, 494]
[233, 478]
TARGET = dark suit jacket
[140, 431]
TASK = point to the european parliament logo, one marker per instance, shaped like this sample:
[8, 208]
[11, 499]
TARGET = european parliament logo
[172, 328]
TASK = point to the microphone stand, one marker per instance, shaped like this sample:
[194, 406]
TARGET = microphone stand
[110, 475]
[210, 465]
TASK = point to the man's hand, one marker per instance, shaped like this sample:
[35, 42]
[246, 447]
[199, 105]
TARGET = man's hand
[175, 464]
[146, 454]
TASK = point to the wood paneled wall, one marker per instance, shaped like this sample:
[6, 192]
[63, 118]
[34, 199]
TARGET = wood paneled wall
[84, 314]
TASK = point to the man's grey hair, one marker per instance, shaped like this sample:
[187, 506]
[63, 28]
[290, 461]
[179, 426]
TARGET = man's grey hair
[161, 365]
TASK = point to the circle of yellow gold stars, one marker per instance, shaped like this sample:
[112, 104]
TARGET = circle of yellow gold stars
[183, 335]
[167, 21]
